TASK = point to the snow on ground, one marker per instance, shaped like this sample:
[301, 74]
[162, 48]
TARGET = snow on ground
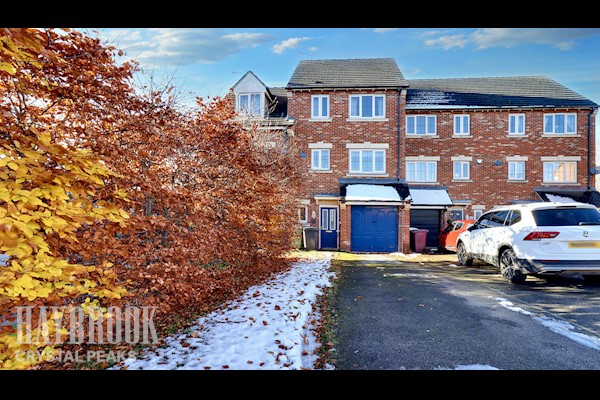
[561, 327]
[269, 327]
[402, 275]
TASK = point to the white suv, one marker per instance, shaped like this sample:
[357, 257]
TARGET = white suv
[535, 238]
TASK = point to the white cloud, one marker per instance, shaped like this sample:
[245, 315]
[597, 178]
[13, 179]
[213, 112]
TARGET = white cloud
[180, 46]
[447, 42]
[290, 43]
[561, 38]
[384, 30]
[312, 48]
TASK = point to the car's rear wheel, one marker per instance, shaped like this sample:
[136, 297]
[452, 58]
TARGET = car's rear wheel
[509, 269]
[461, 255]
[592, 278]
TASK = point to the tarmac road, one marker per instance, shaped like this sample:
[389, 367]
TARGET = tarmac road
[396, 313]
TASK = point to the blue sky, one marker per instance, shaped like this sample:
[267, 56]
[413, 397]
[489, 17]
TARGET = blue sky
[208, 61]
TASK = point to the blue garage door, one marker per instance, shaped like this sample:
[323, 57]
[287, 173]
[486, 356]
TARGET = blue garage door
[374, 229]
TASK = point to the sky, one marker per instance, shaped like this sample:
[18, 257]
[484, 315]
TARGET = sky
[208, 61]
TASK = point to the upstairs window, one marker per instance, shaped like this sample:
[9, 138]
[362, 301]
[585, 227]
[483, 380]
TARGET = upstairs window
[249, 103]
[320, 159]
[367, 106]
[560, 123]
[516, 124]
[421, 125]
[461, 170]
[516, 170]
[560, 171]
[421, 171]
[320, 107]
[367, 161]
[462, 125]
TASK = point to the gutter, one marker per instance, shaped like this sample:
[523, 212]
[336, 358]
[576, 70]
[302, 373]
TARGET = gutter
[593, 111]
[398, 134]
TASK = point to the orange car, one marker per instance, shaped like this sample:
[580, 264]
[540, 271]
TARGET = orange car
[448, 238]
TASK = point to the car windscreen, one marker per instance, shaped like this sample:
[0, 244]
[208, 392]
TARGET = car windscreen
[566, 217]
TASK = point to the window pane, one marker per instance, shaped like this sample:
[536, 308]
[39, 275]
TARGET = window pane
[379, 106]
[255, 103]
[548, 123]
[379, 161]
[324, 219]
[315, 159]
[521, 125]
[354, 106]
[244, 102]
[324, 159]
[410, 125]
[367, 161]
[324, 106]
[355, 160]
[420, 125]
[421, 170]
[457, 124]
[512, 126]
[367, 106]
[465, 124]
[465, 170]
[332, 220]
[431, 125]
[570, 175]
[571, 123]
[511, 170]
[520, 173]
[410, 171]
[559, 123]
[315, 107]
[456, 170]
[431, 171]
[548, 171]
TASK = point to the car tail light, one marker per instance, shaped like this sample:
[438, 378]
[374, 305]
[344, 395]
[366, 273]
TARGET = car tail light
[541, 235]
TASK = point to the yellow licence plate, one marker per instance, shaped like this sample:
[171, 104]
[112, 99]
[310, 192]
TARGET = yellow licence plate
[584, 245]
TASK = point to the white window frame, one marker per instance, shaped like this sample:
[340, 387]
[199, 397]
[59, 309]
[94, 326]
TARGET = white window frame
[462, 118]
[319, 98]
[461, 162]
[411, 124]
[360, 161]
[314, 157]
[303, 209]
[477, 213]
[548, 131]
[360, 105]
[515, 177]
[565, 173]
[249, 111]
[516, 117]
[427, 163]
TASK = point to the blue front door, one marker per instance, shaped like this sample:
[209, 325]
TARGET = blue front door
[329, 228]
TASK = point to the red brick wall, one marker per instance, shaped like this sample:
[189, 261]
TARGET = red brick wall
[490, 142]
[340, 132]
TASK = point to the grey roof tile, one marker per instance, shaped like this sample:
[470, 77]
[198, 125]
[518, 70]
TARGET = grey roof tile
[516, 91]
[347, 73]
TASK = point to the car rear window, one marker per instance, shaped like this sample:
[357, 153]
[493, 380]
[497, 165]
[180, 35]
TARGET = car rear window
[566, 217]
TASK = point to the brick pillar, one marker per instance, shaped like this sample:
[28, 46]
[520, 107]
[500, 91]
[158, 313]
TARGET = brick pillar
[403, 229]
[345, 227]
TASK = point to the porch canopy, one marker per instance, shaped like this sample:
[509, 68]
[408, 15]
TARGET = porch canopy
[371, 190]
[568, 194]
[436, 196]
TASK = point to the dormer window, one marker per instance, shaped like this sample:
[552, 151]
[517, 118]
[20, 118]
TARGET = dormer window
[249, 103]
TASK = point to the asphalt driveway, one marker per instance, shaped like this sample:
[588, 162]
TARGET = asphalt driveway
[425, 314]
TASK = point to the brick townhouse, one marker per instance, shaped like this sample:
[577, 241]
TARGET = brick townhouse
[382, 153]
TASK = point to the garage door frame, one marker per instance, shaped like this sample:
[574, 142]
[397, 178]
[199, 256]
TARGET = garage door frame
[360, 242]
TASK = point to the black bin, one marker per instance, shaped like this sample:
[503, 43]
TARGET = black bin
[310, 236]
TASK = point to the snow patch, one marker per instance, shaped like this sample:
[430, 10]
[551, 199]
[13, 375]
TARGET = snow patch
[401, 275]
[371, 193]
[475, 367]
[269, 327]
[430, 197]
[561, 327]
[559, 199]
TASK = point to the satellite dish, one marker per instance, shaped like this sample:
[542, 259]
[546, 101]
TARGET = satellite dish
[595, 170]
